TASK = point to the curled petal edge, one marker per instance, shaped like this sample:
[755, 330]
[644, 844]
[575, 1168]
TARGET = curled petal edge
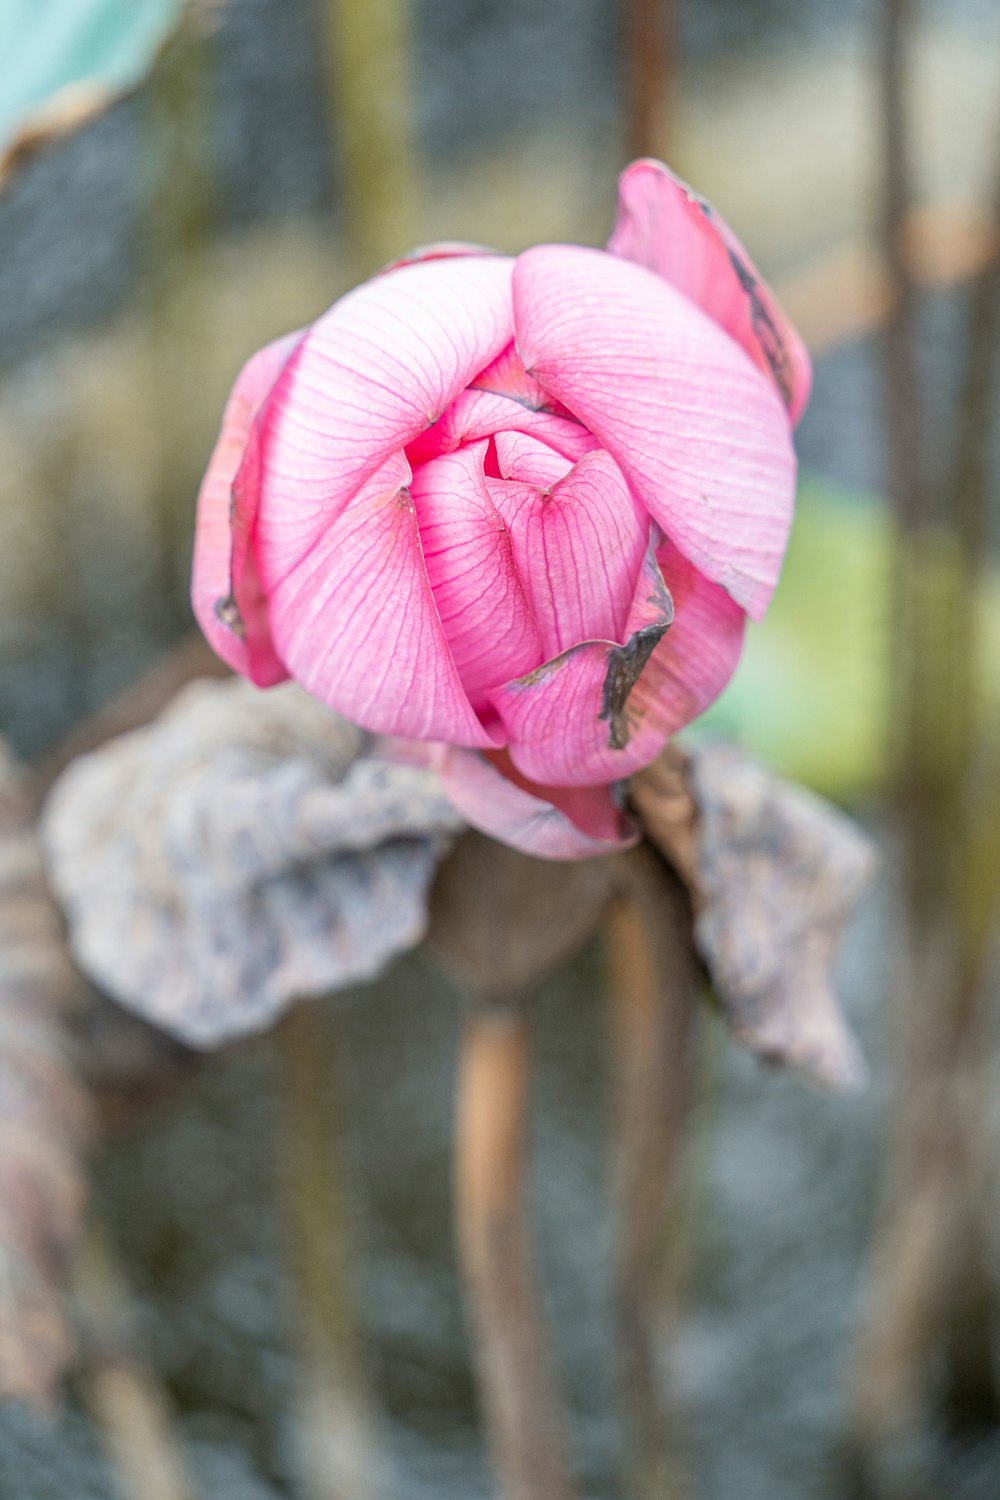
[664, 225]
[525, 818]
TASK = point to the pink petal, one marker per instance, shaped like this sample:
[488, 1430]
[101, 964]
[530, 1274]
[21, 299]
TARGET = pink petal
[699, 653]
[663, 225]
[703, 439]
[500, 398]
[506, 376]
[480, 598]
[238, 634]
[356, 623]
[479, 414]
[523, 457]
[578, 546]
[526, 817]
[248, 600]
[367, 379]
[588, 717]
[438, 250]
[565, 434]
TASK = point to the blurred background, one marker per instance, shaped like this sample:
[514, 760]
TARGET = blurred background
[837, 1269]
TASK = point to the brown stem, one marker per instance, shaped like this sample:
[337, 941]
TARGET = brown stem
[520, 1400]
[914, 647]
[976, 766]
[337, 1426]
[904, 395]
[127, 1401]
[650, 40]
[931, 1301]
[653, 978]
[971, 487]
[46, 1119]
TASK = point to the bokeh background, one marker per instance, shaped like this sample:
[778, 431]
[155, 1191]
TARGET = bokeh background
[278, 151]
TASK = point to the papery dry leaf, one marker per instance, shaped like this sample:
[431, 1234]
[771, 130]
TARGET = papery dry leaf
[774, 874]
[240, 853]
[501, 920]
[45, 1118]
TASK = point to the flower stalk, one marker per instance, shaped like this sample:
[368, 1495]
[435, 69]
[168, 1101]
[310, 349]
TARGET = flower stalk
[521, 1404]
[125, 1397]
[371, 105]
[931, 1304]
[336, 1423]
[652, 994]
[651, 43]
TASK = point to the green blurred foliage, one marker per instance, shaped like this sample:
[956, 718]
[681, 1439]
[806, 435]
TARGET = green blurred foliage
[812, 695]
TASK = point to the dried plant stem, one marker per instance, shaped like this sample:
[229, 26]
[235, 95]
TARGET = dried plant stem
[653, 979]
[176, 230]
[650, 39]
[932, 1303]
[924, 1262]
[127, 1401]
[371, 104]
[46, 1118]
[337, 1425]
[521, 1405]
[889, 1383]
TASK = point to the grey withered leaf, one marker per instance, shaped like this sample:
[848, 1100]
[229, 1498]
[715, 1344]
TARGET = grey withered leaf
[244, 850]
[774, 874]
[45, 1116]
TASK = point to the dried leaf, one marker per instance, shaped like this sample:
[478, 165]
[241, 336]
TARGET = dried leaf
[44, 1113]
[774, 874]
[241, 852]
[502, 920]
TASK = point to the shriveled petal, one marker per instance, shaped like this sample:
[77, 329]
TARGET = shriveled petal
[467, 549]
[367, 379]
[588, 716]
[357, 625]
[241, 642]
[663, 225]
[588, 822]
[700, 434]
[578, 546]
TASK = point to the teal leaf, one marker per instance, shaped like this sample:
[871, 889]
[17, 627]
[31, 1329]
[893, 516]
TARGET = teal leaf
[62, 61]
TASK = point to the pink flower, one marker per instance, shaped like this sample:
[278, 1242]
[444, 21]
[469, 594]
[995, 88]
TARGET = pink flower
[517, 509]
